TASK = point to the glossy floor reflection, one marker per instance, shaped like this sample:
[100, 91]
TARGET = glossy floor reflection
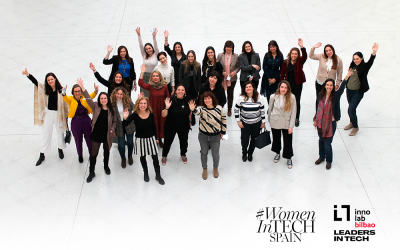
[52, 206]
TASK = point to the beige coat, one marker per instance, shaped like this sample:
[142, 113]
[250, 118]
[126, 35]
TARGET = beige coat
[277, 117]
[234, 64]
[322, 74]
[112, 120]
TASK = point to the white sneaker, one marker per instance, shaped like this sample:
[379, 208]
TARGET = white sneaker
[277, 157]
[289, 163]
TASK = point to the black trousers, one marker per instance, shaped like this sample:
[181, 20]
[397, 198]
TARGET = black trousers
[229, 91]
[255, 82]
[296, 90]
[156, 165]
[170, 130]
[249, 133]
[287, 142]
[318, 88]
[95, 152]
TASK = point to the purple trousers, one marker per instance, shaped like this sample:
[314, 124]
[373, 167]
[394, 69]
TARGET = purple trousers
[81, 126]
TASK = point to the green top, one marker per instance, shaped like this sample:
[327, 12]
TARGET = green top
[354, 82]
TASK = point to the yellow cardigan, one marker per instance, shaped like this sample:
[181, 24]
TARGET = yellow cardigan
[73, 104]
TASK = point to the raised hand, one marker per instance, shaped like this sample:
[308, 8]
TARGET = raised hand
[141, 94]
[109, 48]
[80, 83]
[166, 33]
[96, 87]
[143, 68]
[375, 48]
[64, 89]
[126, 113]
[317, 45]
[137, 31]
[25, 72]
[167, 103]
[192, 105]
[92, 67]
[155, 32]
[300, 42]
[349, 73]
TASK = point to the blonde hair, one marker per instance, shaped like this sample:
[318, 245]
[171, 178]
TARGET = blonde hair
[126, 100]
[136, 106]
[288, 103]
[159, 75]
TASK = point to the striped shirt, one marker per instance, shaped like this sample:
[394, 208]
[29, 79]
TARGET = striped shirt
[212, 121]
[248, 111]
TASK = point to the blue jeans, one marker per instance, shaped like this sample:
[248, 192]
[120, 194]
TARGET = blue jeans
[325, 145]
[353, 98]
[121, 144]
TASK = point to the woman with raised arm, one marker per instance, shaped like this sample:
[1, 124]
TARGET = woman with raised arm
[177, 56]
[145, 142]
[330, 66]
[121, 101]
[281, 117]
[167, 71]
[214, 85]
[103, 129]
[118, 80]
[357, 85]
[190, 77]
[327, 115]
[272, 65]
[178, 122]
[292, 71]
[122, 63]
[230, 64]
[81, 124]
[149, 54]
[50, 109]
[250, 65]
[250, 116]
[211, 129]
[158, 90]
[210, 64]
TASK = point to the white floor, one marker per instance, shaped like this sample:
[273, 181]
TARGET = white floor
[52, 206]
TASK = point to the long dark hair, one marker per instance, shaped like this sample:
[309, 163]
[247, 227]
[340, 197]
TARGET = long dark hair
[173, 49]
[352, 64]
[123, 83]
[109, 105]
[255, 93]
[47, 87]
[218, 84]
[147, 55]
[275, 44]
[128, 58]
[244, 45]
[334, 56]
[323, 90]
[205, 60]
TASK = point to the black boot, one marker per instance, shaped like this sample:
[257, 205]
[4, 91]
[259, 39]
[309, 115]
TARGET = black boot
[41, 159]
[145, 169]
[157, 170]
[91, 169]
[80, 159]
[60, 154]
[106, 158]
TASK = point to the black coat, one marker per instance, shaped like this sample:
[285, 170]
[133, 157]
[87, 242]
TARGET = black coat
[362, 73]
[184, 78]
[336, 101]
[175, 63]
[218, 91]
[218, 67]
[115, 64]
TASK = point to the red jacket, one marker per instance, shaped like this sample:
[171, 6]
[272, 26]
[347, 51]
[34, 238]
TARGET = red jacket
[298, 68]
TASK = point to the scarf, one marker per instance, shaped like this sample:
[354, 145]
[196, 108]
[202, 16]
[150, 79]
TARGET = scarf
[324, 118]
[158, 85]
[227, 69]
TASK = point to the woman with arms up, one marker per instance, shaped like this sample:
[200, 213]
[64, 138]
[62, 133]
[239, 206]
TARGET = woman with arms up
[167, 71]
[103, 128]
[178, 122]
[190, 77]
[327, 115]
[250, 65]
[272, 66]
[118, 80]
[250, 116]
[330, 66]
[122, 63]
[214, 85]
[145, 142]
[158, 92]
[281, 117]
[149, 54]
[230, 64]
[357, 85]
[292, 71]
[121, 101]
[81, 124]
[50, 109]
[212, 126]
[210, 64]
[177, 56]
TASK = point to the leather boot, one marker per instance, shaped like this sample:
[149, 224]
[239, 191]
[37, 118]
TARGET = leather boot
[60, 154]
[123, 163]
[158, 175]
[106, 158]
[91, 169]
[216, 174]
[204, 175]
[130, 160]
[41, 159]
[145, 170]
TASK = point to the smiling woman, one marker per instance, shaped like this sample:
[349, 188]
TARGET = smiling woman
[167, 71]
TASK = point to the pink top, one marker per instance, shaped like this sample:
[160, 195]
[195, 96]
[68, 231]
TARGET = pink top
[227, 83]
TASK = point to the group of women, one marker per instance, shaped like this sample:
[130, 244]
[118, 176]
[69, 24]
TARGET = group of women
[172, 95]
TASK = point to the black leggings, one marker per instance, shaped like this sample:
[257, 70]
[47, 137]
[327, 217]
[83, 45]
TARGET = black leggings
[156, 164]
[95, 152]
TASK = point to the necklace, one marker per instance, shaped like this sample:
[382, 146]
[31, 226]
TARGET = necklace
[124, 65]
[183, 102]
